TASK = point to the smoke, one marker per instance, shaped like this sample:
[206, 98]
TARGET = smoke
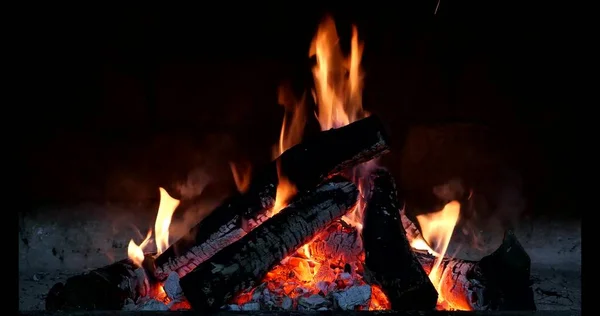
[196, 182]
[452, 190]
[487, 207]
[192, 215]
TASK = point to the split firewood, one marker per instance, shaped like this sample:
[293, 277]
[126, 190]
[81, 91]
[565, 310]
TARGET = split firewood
[499, 281]
[105, 288]
[389, 258]
[245, 263]
[305, 165]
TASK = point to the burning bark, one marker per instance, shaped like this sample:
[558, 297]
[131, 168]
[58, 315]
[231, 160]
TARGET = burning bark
[499, 281]
[105, 288]
[340, 243]
[246, 262]
[389, 260]
[305, 165]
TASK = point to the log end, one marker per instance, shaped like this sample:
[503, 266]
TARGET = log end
[508, 272]
[104, 288]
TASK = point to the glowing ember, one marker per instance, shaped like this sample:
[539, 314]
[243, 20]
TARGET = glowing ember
[378, 299]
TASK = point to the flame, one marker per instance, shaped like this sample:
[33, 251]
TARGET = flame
[285, 191]
[166, 208]
[135, 252]
[338, 93]
[437, 229]
[291, 134]
[242, 173]
[338, 80]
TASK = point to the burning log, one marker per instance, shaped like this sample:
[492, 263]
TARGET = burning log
[305, 165]
[499, 281]
[339, 243]
[243, 264]
[389, 258]
[105, 288]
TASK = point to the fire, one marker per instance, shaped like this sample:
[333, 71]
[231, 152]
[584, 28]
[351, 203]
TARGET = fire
[285, 191]
[314, 268]
[338, 80]
[437, 229]
[166, 208]
[338, 92]
[338, 95]
[135, 252]
[291, 134]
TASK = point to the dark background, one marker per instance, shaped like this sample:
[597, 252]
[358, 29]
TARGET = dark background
[126, 100]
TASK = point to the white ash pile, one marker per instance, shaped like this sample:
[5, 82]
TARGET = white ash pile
[160, 297]
[325, 274]
[347, 291]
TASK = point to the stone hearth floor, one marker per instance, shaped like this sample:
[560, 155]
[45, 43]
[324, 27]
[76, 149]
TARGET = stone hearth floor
[54, 246]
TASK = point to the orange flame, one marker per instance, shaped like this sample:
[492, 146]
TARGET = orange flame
[166, 208]
[291, 134]
[285, 191]
[135, 252]
[338, 92]
[338, 80]
[437, 229]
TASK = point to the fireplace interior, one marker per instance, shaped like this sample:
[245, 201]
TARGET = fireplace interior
[364, 159]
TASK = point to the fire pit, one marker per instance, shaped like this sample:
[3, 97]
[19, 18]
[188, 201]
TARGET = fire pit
[321, 228]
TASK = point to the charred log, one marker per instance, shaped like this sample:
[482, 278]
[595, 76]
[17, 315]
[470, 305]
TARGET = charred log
[389, 258]
[104, 288]
[499, 281]
[339, 243]
[305, 165]
[243, 264]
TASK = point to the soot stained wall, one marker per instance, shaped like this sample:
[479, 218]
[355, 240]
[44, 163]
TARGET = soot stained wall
[131, 101]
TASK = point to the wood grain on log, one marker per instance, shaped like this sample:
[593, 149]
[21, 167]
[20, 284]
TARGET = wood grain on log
[245, 263]
[499, 281]
[104, 288]
[337, 244]
[389, 258]
[305, 165]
